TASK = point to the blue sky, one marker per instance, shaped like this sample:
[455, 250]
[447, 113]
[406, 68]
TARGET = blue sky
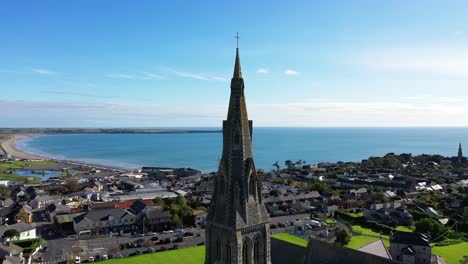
[168, 63]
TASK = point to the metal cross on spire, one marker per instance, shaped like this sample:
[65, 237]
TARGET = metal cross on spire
[237, 38]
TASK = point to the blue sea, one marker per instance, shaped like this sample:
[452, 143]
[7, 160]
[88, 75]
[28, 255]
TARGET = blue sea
[203, 150]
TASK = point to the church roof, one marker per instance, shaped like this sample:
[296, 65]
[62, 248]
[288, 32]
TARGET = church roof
[237, 66]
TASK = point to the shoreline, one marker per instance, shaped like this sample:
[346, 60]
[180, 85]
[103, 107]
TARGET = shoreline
[9, 147]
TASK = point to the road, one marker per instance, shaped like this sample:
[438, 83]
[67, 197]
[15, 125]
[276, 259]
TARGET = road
[61, 248]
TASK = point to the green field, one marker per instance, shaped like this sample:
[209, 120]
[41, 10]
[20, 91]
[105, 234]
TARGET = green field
[291, 239]
[192, 255]
[5, 167]
[453, 254]
[367, 231]
[404, 229]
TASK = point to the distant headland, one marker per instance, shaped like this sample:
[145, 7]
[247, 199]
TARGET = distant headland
[103, 131]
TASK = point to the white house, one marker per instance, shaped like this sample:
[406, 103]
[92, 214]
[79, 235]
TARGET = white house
[26, 231]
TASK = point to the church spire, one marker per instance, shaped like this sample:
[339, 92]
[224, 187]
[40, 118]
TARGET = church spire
[460, 153]
[237, 66]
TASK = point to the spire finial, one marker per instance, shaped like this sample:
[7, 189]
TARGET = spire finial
[237, 39]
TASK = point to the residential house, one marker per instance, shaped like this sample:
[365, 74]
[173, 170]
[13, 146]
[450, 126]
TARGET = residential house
[105, 221]
[410, 248]
[200, 217]
[40, 201]
[156, 219]
[24, 215]
[11, 253]
[387, 213]
[25, 230]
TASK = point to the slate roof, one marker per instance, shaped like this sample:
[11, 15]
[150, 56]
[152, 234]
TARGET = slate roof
[20, 227]
[410, 238]
[377, 248]
[102, 215]
[66, 218]
[325, 253]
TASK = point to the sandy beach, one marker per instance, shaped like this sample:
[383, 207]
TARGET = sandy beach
[9, 147]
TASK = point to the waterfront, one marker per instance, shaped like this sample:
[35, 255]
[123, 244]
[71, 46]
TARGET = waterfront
[203, 151]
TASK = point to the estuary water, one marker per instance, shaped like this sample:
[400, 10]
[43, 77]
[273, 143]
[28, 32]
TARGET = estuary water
[203, 150]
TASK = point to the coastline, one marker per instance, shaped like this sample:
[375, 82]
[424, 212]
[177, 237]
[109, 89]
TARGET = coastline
[9, 147]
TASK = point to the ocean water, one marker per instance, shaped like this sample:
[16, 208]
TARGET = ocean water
[203, 151]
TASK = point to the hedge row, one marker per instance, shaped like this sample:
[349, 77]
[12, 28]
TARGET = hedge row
[376, 227]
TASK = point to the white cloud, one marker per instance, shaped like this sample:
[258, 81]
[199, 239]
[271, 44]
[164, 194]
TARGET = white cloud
[435, 62]
[290, 72]
[409, 111]
[196, 76]
[43, 71]
[121, 76]
[263, 71]
[151, 76]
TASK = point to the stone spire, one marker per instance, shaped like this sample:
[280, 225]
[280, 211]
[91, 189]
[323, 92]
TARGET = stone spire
[460, 153]
[237, 224]
[237, 66]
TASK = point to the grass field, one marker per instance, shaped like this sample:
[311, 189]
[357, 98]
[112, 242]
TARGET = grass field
[366, 231]
[5, 167]
[453, 254]
[359, 241]
[404, 229]
[192, 255]
[291, 239]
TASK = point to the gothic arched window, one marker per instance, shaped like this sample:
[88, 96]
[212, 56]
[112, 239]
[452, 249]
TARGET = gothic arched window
[258, 250]
[246, 248]
[218, 249]
[228, 253]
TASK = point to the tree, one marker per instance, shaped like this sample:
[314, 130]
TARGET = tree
[176, 220]
[276, 165]
[430, 226]
[72, 184]
[11, 233]
[342, 237]
[289, 164]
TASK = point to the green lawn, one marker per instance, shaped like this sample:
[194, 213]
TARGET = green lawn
[16, 178]
[367, 231]
[453, 254]
[191, 255]
[291, 239]
[359, 241]
[8, 165]
[355, 215]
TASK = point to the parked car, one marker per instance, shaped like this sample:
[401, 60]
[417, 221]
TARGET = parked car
[175, 247]
[168, 232]
[155, 238]
[97, 258]
[138, 252]
[273, 226]
[178, 240]
[201, 243]
[77, 260]
[187, 234]
[91, 259]
[139, 240]
[119, 255]
[105, 257]
[44, 249]
[165, 241]
[163, 248]
[122, 246]
[151, 250]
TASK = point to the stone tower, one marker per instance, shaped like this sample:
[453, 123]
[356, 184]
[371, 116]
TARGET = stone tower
[237, 230]
[460, 154]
